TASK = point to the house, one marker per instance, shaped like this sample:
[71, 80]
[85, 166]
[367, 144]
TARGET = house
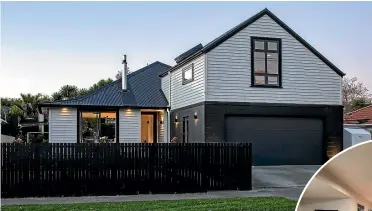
[260, 82]
[360, 116]
[341, 184]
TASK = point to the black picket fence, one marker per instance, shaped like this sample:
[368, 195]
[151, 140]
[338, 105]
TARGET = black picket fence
[31, 170]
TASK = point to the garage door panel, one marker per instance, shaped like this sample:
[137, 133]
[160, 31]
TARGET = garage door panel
[278, 140]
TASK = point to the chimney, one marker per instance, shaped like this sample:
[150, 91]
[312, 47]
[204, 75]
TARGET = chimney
[124, 81]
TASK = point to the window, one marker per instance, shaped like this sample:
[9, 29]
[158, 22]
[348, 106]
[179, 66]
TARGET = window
[97, 127]
[266, 62]
[188, 74]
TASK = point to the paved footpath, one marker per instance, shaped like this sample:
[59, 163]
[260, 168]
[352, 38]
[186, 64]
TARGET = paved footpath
[290, 193]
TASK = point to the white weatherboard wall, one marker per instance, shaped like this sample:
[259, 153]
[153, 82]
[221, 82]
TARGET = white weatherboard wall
[62, 125]
[160, 127]
[165, 86]
[166, 127]
[305, 78]
[190, 93]
[129, 126]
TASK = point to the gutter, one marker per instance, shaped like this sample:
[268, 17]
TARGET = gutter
[359, 125]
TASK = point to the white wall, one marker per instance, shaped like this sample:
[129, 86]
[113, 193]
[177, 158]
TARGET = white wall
[338, 185]
[165, 86]
[161, 127]
[190, 93]
[305, 78]
[166, 127]
[62, 125]
[337, 204]
[7, 139]
[330, 203]
[129, 126]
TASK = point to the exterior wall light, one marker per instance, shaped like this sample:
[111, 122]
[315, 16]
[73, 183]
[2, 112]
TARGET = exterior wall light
[195, 116]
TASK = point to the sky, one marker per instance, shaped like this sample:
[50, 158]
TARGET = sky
[45, 45]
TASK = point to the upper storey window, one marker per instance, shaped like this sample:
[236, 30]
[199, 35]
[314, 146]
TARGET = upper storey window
[266, 62]
[188, 74]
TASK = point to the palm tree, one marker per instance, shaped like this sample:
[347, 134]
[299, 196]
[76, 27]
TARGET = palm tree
[28, 104]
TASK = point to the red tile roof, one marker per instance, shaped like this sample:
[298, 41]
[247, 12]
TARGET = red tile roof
[363, 115]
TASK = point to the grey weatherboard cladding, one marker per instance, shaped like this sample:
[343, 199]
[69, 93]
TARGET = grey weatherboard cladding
[216, 42]
[144, 90]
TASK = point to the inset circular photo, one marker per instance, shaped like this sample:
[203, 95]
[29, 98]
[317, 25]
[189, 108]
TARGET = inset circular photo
[344, 183]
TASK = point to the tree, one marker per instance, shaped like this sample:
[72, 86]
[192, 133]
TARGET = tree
[27, 106]
[83, 91]
[360, 103]
[120, 73]
[66, 92]
[354, 94]
[100, 83]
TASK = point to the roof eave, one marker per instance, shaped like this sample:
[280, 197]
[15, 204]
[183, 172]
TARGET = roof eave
[98, 106]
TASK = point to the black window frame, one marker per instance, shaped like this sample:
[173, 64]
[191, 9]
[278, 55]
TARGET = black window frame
[186, 81]
[279, 51]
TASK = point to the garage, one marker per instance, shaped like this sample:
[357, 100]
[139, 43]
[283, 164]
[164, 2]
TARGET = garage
[279, 140]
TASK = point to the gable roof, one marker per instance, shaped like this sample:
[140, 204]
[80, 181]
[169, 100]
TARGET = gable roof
[144, 90]
[362, 115]
[210, 46]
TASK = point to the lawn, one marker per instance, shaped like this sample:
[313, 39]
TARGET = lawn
[249, 204]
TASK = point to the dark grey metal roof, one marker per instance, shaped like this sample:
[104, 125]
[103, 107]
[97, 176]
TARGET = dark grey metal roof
[188, 53]
[210, 46]
[144, 90]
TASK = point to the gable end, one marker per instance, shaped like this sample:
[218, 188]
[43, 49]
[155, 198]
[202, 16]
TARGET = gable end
[210, 46]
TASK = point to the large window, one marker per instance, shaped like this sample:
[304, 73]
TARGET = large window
[266, 62]
[97, 127]
[188, 74]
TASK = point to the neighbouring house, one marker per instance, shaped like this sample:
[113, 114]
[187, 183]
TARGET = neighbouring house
[260, 82]
[361, 118]
[343, 184]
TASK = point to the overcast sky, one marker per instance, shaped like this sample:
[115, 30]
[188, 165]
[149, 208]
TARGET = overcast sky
[49, 44]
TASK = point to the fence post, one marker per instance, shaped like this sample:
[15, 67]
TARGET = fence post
[37, 168]
[250, 165]
[204, 167]
[152, 157]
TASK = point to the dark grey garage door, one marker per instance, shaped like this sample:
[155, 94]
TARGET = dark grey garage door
[279, 140]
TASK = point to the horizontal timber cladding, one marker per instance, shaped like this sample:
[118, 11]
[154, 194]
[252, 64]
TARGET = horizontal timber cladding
[129, 125]
[332, 117]
[195, 125]
[305, 78]
[39, 170]
[165, 86]
[182, 95]
[63, 125]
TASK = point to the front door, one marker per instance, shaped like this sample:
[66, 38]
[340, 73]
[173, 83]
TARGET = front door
[148, 128]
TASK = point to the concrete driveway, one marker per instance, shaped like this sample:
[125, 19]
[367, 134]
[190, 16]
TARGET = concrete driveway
[282, 176]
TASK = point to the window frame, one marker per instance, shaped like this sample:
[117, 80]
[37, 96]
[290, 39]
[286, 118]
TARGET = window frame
[266, 74]
[186, 81]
